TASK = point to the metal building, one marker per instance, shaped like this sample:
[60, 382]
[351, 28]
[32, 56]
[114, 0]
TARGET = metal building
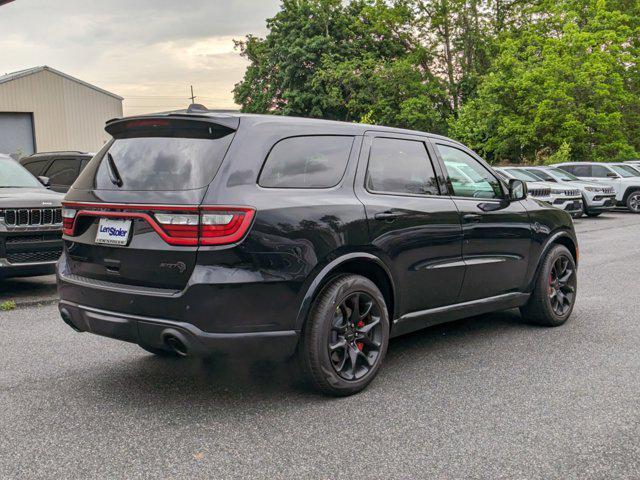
[43, 109]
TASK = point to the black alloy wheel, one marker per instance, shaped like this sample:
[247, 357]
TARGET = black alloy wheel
[555, 289]
[356, 337]
[562, 285]
[345, 338]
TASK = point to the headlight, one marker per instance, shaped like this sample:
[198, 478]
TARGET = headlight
[592, 189]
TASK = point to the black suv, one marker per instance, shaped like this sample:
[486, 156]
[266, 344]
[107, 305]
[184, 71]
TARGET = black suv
[30, 223]
[60, 168]
[201, 233]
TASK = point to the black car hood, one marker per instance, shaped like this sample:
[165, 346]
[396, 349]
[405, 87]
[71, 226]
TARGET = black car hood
[29, 198]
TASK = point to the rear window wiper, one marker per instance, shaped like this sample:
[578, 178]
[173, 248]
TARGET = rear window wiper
[114, 174]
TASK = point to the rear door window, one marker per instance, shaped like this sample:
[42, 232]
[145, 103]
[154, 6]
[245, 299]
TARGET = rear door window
[36, 167]
[598, 171]
[306, 162]
[159, 155]
[579, 170]
[400, 167]
[63, 171]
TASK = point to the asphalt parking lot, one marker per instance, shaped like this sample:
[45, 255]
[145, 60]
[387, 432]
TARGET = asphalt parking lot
[488, 397]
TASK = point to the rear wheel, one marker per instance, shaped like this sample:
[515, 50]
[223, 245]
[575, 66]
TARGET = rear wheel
[346, 336]
[554, 294]
[633, 201]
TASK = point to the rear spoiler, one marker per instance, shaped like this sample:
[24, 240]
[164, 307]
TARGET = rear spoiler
[229, 121]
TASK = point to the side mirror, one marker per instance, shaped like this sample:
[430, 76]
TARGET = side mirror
[517, 189]
[612, 175]
[45, 181]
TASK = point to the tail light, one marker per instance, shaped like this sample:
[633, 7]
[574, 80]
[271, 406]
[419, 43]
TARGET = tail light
[68, 220]
[205, 225]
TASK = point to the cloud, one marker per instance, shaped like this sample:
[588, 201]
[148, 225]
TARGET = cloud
[148, 51]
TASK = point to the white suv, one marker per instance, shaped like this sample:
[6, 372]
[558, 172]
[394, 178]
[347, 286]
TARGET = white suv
[625, 183]
[568, 199]
[596, 198]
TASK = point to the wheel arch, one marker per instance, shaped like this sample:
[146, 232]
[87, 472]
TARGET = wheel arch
[629, 191]
[562, 237]
[362, 263]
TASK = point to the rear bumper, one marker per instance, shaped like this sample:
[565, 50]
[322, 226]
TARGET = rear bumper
[153, 332]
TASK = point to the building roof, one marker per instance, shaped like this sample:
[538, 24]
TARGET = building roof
[30, 71]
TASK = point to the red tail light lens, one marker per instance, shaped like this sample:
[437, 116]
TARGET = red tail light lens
[179, 225]
[206, 225]
[68, 218]
[222, 225]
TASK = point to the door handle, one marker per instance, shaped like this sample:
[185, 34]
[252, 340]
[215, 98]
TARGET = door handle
[472, 217]
[388, 216]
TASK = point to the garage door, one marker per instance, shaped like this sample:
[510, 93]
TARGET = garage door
[16, 133]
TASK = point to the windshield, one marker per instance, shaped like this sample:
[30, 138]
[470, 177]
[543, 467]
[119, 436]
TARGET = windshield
[157, 155]
[522, 175]
[12, 174]
[542, 175]
[631, 170]
[564, 175]
[620, 170]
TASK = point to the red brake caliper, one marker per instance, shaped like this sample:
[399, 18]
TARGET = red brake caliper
[360, 345]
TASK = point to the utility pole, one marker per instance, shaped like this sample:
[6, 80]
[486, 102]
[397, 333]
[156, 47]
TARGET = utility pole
[192, 97]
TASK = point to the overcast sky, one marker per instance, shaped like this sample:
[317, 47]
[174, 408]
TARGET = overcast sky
[147, 51]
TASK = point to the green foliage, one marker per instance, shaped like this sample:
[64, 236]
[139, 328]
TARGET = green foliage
[561, 156]
[7, 305]
[523, 81]
[568, 77]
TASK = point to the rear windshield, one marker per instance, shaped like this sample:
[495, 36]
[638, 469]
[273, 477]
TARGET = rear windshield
[158, 155]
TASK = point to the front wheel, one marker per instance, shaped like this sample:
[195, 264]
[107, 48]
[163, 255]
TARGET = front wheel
[554, 293]
[346, 336]
[633, 201]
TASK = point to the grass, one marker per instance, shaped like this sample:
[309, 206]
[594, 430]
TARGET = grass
[7, 305]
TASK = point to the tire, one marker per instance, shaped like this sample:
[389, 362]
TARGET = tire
[161, 352]
[330, 343]
[541, 309]
[633, 201]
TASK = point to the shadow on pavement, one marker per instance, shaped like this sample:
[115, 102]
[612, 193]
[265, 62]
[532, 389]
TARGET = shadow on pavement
[29, 289]
[175, 383]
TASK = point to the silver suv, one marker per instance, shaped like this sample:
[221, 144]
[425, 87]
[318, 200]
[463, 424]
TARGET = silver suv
[596, 199]
[568, 199]
[625, 183]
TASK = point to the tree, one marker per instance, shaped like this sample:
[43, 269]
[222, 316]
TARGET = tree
[570, 76]
[309, 36]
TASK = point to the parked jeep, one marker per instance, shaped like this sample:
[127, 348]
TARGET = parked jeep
[30, 223]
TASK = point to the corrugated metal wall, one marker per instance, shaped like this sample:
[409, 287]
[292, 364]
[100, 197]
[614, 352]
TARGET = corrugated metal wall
[67, 115]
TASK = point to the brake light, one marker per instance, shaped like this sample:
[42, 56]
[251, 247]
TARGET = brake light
[68, 217]
[177, 225]
[221, 225]
[212, 226]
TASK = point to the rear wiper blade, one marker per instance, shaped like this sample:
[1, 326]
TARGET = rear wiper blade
[114, 174]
